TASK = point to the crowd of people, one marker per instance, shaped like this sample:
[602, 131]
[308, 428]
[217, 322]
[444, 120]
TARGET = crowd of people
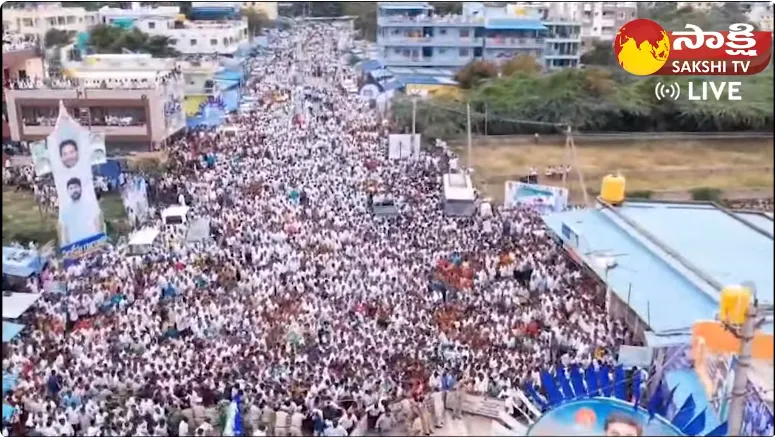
[306, 307]
[159, 80]
[13, 42]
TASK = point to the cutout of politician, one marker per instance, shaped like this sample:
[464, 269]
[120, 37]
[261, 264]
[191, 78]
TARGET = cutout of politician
[68, 153]
[77, 219]
[620, 425]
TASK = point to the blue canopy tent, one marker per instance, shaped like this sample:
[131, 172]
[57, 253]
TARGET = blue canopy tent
[11, 330]
[21, 262]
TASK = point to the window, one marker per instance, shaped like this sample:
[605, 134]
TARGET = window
[27, 22]
[441, 51]
[60, 20]
[465, 33]
[396, 50]
[192, 42]
[52, 21]
[464, 51]
[151, 25]
[71, 20]
[173, 41]
[226, 41]
[213, 42]
[442, 31]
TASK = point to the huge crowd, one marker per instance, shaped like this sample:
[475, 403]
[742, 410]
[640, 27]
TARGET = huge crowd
[311, 309]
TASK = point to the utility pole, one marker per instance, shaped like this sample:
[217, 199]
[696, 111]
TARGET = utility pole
[468, 122]
[570, 152]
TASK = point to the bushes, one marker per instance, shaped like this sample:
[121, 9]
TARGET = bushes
[640, 194]
[706, 194]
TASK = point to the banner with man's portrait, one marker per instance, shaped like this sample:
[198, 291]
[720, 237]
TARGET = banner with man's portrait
[80, 225]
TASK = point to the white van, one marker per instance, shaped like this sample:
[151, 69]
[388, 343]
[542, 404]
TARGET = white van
[175, 215]
[140, 242]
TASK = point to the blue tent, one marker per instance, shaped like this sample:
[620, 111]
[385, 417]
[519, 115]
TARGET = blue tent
[21, 262]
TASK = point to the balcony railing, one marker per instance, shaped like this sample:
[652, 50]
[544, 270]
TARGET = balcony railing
[444, 41]
[430, 20]
[136, 130]
[515, 42]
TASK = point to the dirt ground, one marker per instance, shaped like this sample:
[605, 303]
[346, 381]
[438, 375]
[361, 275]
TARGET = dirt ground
[650, 166]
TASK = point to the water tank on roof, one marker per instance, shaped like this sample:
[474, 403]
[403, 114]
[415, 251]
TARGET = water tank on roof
[612, 189]
[734, 303]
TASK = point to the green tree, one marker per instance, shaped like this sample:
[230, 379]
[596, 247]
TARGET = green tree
[522, 64]
[257, 20]
[601, 53]
[447, 8]
[57, 37]
[111, 39]
[475, 72]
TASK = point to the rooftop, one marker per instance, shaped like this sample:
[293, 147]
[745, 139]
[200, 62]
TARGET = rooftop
[672, 259]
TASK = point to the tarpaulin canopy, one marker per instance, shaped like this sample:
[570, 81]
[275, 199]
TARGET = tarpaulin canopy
[16, 304]
[11, 330]
[21, 262]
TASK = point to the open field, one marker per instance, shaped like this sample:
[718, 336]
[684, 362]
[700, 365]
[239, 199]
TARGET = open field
[23, 221]
[648, 166]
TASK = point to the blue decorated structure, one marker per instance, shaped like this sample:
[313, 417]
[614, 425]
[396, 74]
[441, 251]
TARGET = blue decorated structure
[606, 401]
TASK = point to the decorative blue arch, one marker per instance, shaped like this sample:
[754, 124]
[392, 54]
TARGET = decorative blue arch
[575, 397]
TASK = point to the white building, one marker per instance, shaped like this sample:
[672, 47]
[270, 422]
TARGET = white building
[600, 21]
[198, 37]
[761, 15]
[110, 15]
[38, 18]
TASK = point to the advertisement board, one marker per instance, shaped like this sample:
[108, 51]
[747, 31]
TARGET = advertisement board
[545, 198]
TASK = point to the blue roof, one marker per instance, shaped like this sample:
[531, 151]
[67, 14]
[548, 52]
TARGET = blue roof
[660, 294]
[513, 24]
[380, 73]
[11, 330]
[761, 221]
[404, 5]
[231, 75]
[21, 262]
[414, 79]
[707, 236]
[392, 85]
[687, 383]
[371, 64]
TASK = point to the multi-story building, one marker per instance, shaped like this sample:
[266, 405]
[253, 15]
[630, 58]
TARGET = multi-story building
[410, 35]
[760, 14]
[127, 17]
[602, 20]
[21, 60]
[132, 99]
[38, 18]
[198, 37]
[267, 8]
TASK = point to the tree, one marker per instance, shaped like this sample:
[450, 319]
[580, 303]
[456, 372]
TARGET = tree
[57, 37]
[521, 64]
[601, 53]
[448, 8]
[257, 20]
[474, 73]
[111, 39]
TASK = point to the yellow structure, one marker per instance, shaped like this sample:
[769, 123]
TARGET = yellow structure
[734, 303]
[191, 104]
[612, 190]
[268, 8]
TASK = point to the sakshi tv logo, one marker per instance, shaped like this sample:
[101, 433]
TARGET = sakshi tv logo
[644, 48]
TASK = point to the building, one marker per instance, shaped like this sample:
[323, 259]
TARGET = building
[410, 35]
[267, 8]
[198, 37]
[760, 14]
[38, 18]
[600, 21]
[132, 99]
[21, 60]
[127, 17]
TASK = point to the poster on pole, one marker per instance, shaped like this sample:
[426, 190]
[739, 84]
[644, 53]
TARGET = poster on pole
[401, 146]
[80, 226]
[98, 154]
[40, 160]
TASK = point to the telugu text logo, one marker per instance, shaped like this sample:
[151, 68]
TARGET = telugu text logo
[642, 47]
